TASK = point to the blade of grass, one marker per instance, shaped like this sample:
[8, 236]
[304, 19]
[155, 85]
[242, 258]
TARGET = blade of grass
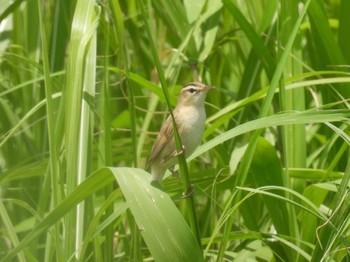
[293, 136]
[344, 24]
[11, 8]
[163, 228]
[86, 127]
[105, 142]
[10, 231]
[257, 43]
[91, 184]
[76, 127]
[95, 228]
[327, 236]
[326, 41]
[124, 63]
[54, 172]
[311, 116]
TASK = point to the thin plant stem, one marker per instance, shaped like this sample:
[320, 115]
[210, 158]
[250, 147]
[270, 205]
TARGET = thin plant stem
[186, 182]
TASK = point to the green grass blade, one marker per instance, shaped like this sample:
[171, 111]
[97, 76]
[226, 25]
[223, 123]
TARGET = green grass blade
[257, 43]
[328, 238]
[266, 170]
[162, 226]
[93, 183]
[274, 120]
[10, 231]
[344, 24]
[80, 81]
[54, 172]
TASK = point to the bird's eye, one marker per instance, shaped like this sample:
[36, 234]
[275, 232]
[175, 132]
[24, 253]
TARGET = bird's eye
[192, 90]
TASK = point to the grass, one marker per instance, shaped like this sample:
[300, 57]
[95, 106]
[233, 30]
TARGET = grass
[85, 86]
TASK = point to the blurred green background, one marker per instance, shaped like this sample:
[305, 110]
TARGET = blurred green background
[80, 91]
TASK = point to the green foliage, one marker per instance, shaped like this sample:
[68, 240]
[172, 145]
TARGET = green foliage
[81, 99]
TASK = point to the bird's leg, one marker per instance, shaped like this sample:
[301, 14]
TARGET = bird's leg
[181, 152]
[189, 193]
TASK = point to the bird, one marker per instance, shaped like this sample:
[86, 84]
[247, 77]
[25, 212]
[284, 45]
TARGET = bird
[190, 116]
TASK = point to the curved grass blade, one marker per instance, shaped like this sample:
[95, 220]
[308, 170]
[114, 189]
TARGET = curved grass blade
[162, 226]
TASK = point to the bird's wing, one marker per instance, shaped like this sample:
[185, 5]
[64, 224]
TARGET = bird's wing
[165, 135]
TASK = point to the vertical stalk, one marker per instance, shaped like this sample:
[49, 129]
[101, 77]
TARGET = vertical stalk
[79, 96]
[293, 136]
[54, 159]
[106, 145]
[86, 132]
[124, 63]
[186, 183]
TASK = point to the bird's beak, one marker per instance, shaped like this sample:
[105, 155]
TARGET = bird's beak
[207, 88]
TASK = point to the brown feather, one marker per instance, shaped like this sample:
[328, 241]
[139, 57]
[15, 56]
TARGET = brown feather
[164, 136]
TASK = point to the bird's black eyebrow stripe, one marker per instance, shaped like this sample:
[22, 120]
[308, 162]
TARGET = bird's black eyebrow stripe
[195, 84]
[190, 84]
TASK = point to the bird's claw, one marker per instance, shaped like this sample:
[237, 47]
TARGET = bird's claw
[182, 151]
[189, 193]
[175, 174]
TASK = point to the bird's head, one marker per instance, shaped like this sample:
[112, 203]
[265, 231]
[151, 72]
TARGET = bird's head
[193, 93]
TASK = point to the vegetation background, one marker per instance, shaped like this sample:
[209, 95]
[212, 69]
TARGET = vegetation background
[81, 101]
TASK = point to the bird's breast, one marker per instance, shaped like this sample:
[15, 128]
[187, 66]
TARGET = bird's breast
[191, 127]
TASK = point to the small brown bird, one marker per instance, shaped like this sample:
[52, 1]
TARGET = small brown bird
[190, 118]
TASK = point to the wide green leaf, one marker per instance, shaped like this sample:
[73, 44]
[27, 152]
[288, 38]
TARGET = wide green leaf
[162, 226]
[267, 170]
